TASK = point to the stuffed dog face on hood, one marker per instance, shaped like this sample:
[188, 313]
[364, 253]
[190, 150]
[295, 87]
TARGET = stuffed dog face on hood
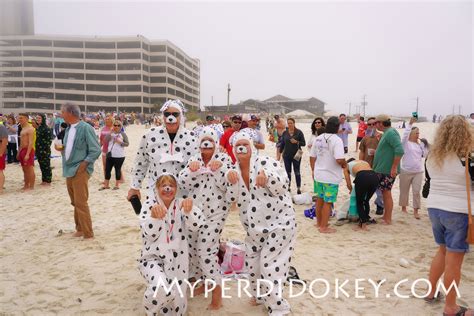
[208, 140]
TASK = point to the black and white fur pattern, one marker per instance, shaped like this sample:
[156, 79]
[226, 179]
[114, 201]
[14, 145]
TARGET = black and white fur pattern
[208, 191]
[166, 260]
[268, 216]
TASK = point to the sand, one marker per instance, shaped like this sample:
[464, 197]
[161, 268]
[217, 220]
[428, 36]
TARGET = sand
[44, 271]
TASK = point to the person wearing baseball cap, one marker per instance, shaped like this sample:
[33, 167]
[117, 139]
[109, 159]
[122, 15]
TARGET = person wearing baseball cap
[255, 134]
[387, 162]
[224, 142]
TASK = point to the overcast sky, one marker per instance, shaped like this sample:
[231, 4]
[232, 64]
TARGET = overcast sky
[391, 51]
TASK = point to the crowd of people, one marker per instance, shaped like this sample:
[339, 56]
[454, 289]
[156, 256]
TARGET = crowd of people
[192, 178]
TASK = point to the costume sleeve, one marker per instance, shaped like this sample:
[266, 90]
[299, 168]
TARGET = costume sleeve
[277, 180]
[140, 166]
[232, 190]
[194, 219]
[221, 179]
[187, 179]
[151, 228]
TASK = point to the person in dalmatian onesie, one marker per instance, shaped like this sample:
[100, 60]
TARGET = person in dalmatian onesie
[260, 187]
[163, 149]
[164, 256]
[204, 179]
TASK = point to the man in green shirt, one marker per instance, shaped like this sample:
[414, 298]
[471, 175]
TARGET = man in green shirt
[386, 162]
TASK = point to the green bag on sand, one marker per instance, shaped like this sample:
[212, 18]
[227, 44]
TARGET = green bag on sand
[353, 213]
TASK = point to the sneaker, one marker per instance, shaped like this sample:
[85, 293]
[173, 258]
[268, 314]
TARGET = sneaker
[379, 210]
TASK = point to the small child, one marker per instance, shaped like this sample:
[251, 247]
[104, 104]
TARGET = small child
[164, 256]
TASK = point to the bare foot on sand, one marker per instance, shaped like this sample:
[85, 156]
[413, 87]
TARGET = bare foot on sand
[385, 222]
[327, 230]
[361, 228]
[78, 234]
[47, 184]
[253, 302]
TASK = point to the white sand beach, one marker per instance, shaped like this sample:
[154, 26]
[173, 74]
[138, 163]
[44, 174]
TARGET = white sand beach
[44, 272]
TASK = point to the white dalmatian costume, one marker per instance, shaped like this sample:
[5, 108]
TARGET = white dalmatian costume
[157, 154]
[164, 256]
[268, 216]
[208, 190]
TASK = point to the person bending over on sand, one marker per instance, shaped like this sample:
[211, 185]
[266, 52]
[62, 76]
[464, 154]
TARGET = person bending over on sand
[204, 179]
[26, 154]
[163, 149]
[447, 207]
[366, 183]
[260, 187]
[326, 162]
[412, 168]
[164, 255]
[386, 162]
[79, 152]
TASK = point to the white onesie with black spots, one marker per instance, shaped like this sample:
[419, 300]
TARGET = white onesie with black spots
[268, 216]
[208, 191]
[157, 155]
[165, 256]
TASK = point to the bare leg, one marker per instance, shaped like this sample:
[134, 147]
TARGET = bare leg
[452, 273]
[216, 302]
[324, 225]
[2, 181]
[404, 209]
[319, 212]
[415, 213]
[437, 269]
[388, 205]
[25, 179]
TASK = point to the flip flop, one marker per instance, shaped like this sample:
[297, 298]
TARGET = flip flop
[461, 312]
[115, 188]
[103, 188]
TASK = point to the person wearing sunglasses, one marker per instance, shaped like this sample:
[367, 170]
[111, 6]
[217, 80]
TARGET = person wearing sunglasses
[317, 124]
[116, 141]
[224, 142]
[367, 147]
[360, 132]
[166, 148]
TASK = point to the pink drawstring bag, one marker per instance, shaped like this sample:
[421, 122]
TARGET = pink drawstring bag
[234, 258]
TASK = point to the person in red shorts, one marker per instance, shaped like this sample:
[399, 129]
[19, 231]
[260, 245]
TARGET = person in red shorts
[360, 132]
[3, 150]
[26, 155]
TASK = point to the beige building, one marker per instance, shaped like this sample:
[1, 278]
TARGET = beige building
[39, 73]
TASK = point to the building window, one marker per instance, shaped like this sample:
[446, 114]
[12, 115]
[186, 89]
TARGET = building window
[146, 47]
[158, 48]
[100, 56]
[157, 69]
[69, 55]
[158, 59]
[11, 53]
[69, 65]
[145, 68]
[100, 87]
[41, 64]
[12, 84]
[100, 66]
[129, 77]
[38, 74]
[145, 78]
[171, 71]
[69, 86]
[39, 95]
[130, 99]
[146, 100]
[161, 90]
[13, 105]
[171, 51]
[39, 84]
[13, 94]
[145, 57]
[171, 81]
[158, 101]
[68, 75]
[37, 53]
[128, 45]
[70, 44]
[158, 79]
[179, 56]
[171, 60]
[100, 77]
[129, 56]
[129, 67]
[171, 91]
[10, 43]
[130, 88]
[11, 63]
[101, 98]
[38, 105]
[146, 89]
[36, 42]
[100, 44]
[69, 97]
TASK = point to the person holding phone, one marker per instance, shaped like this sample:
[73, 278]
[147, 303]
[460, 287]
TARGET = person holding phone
[344, 130]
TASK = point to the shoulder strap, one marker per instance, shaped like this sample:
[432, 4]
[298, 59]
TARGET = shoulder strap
[427, 175]
[468, 188]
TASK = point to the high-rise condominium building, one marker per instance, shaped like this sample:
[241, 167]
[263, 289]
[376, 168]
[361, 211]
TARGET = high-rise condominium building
[39, 73]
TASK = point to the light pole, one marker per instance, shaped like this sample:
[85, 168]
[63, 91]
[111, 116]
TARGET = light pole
[228, 96]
